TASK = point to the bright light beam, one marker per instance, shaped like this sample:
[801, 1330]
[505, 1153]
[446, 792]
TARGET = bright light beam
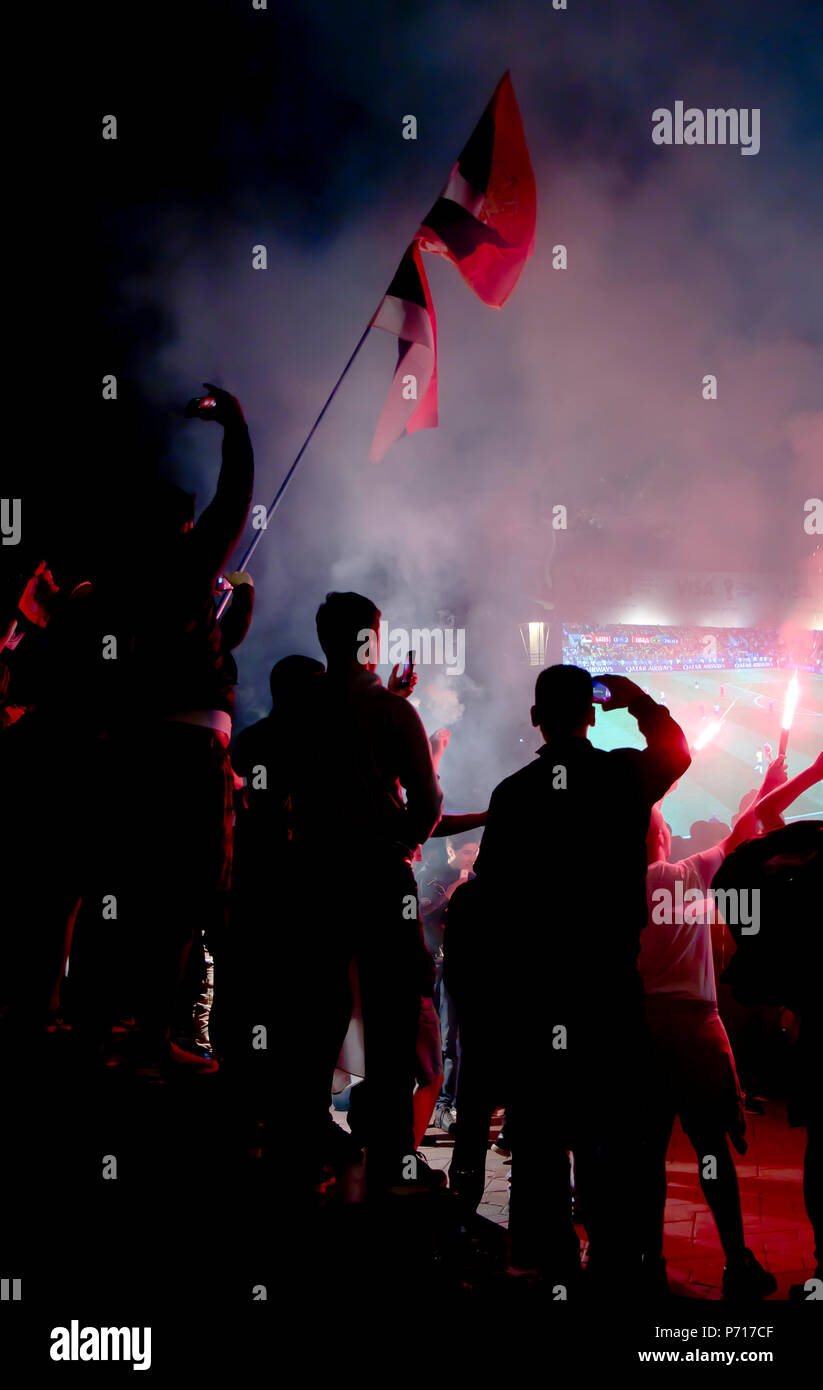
[789, 707]
[711, 730]
[707, 734]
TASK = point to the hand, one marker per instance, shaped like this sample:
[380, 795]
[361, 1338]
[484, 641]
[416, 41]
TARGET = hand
[10, 714]
[775, 775]
[238, 577]
[217, 405]
[37, 598]
[440, 741]
[398, 687]
[623, 692]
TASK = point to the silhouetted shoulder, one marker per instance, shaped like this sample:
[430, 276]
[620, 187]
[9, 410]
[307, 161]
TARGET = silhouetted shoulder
[399, 710]
[519, 782]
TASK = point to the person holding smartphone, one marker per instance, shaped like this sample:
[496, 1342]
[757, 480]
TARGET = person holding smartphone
[169, 856]
[570, 1029]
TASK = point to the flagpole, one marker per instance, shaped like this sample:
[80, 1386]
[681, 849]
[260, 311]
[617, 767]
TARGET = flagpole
[306, 442]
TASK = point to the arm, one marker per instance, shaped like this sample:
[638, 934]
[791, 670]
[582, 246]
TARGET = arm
[666, 755]
[455, 825]
[237, 618]
[746, 824]
[219, 528]
[772, 805]
[767, 808]
[417, 776]
[439, 743]
[8, 634]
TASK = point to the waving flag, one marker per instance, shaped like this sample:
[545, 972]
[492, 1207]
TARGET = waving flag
[485, 217]
[407, 311]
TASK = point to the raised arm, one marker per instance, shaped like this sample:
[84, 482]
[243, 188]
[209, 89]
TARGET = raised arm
[770, 806]
[666, 755]
[456, 825]
[220, 526]
[418, 778]
[766, 810]
[236, 620]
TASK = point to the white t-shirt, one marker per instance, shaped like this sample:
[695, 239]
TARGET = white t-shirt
[676, 944]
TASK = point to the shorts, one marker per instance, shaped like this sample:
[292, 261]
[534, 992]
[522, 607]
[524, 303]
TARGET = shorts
[693, 1065]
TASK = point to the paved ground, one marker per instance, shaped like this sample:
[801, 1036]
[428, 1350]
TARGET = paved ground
[770, 1176]
[774, 1217]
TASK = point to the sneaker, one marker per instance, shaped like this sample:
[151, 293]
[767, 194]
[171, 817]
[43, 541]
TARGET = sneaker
[172, 1061]
[501, 1149]
[445, 1118]
[747, 1279]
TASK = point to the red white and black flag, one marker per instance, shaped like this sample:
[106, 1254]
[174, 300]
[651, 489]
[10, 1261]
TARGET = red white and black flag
[407, 311]
[485, 217]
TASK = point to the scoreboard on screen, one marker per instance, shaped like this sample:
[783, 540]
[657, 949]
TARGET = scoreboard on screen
[621, 647]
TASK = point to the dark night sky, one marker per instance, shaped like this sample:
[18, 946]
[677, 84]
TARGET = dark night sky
[283, 127]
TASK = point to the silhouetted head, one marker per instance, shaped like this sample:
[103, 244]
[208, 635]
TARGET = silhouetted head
[563, 705]
[348, 627]
[704, 834]
[290, 677]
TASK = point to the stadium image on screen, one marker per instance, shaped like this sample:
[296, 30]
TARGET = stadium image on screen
[727, 688]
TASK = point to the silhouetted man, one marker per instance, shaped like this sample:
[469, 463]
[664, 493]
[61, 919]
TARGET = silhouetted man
[578, 815]
[782, 963]
[355, 834]
[265, 896]
[46, 771]
[169, 857]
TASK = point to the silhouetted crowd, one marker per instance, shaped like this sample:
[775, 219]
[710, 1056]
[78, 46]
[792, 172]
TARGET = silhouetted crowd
[181, 901]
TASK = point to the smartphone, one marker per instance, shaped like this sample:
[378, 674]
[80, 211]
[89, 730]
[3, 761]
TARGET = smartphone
[198, 403]
[408, 669]
[600, 692]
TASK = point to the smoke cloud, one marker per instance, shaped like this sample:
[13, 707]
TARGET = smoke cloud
[585, 391]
